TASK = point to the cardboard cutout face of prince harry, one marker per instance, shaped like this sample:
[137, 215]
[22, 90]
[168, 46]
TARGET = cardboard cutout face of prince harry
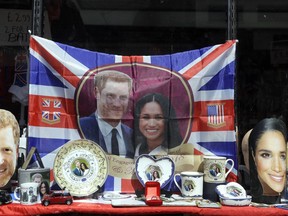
[9, 140]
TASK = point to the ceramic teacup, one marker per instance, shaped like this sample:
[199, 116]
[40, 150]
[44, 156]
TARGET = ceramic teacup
[215, 168]
[191, 184]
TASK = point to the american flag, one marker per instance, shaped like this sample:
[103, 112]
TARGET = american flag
[57, 70]
[215, 114]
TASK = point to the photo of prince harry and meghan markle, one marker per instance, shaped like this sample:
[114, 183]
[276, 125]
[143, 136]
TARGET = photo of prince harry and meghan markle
[129, 125]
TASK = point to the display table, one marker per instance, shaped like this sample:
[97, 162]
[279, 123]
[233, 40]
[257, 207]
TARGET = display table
[92, 208]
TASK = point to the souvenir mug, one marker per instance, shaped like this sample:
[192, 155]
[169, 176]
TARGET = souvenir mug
[29, 193]
[215, 168]
[191, 184]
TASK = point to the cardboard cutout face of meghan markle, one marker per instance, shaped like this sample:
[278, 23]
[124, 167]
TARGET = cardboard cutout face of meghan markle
[267, 160]
[9, 140]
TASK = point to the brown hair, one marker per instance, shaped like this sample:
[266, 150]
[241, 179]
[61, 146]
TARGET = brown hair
[101, 78]
[8, 119]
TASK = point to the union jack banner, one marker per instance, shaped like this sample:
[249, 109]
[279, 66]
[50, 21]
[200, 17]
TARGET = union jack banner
[199, 84]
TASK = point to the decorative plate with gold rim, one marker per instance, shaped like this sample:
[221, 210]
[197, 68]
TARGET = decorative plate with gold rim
[81, 167]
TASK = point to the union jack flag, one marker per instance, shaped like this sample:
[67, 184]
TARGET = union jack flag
[57, 70]
[51, 116]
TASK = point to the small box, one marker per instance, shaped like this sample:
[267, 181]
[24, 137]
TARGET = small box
[152, 193]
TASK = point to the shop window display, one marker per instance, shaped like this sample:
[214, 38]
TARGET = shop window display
[162, 40]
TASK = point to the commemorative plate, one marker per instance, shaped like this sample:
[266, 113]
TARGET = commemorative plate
[150, 169]
[81, 167]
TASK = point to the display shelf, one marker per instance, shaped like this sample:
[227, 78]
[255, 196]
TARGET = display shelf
[107, 209]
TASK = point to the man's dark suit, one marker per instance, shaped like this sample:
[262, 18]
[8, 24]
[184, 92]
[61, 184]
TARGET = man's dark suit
[90, 128]
[77, 172]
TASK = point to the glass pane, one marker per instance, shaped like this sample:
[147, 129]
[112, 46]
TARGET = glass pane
[140, 27]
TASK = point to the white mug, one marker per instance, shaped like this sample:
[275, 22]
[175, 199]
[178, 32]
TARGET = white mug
[215, 168]
[29, 193]
[191, 184]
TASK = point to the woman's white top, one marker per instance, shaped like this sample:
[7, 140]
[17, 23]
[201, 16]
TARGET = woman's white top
[160, 150]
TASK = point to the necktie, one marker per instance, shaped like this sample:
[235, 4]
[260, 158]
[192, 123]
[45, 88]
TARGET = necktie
[114, 142]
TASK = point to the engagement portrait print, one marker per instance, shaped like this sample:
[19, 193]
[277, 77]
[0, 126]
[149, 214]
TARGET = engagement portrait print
[141, 101]
[189, 185]
[153, 173]
[80, 167]
[175, 99]
[215, 170]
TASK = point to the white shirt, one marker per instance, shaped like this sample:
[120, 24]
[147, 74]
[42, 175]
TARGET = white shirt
[105, 129]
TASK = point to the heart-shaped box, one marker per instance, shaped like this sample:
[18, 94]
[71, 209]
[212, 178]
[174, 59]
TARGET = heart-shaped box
[231, 190]
[150, 169]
